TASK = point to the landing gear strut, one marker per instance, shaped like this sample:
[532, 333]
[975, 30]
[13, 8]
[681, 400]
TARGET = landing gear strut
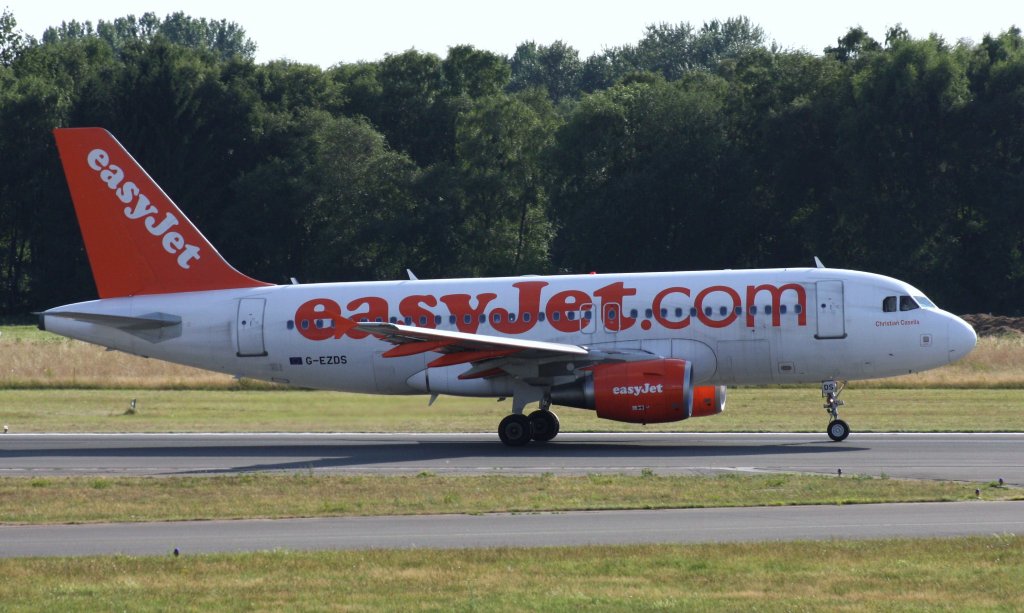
[838, 429]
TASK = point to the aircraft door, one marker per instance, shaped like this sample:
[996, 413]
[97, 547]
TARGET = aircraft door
[831, 317]
[249, 327]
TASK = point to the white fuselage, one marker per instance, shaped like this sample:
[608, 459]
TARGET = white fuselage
[735, 327]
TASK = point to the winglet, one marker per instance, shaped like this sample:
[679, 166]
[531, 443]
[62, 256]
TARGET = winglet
[137, 239]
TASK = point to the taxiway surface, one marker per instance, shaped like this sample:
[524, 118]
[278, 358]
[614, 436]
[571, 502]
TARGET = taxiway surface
[522, 530]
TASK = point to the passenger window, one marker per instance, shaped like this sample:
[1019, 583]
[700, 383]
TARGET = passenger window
[526, 317]
[437, 320]
[570, 315]
[889, 304]
[305, 324]
[408, 321]
[907, 303]
[467, 318]
[739, 310]
[633, 313]
[693, 311]
[496, 317]
[798, 309]
[707, 311]
[451, 319]
[483, 318]
[540, 316]
[556, 316]
[511, 317]
[611, 314]
[753, 310]
[290, 325]
[648, 313]
[768, 309]
[679, 312]
[394, 320]
[782, 309]
[664, 312]
[423, 320]
[723, 310]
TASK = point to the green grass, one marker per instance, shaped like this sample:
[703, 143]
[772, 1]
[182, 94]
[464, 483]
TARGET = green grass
[960, 574]
[118, 499]
[747, 409]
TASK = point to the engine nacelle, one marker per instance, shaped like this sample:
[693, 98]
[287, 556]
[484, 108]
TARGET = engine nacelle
[646, 392]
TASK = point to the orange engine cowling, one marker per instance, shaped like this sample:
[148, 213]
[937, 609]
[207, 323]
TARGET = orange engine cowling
[708, 400]
[646, 392]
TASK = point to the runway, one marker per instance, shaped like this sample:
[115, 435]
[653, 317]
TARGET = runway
[963, 457]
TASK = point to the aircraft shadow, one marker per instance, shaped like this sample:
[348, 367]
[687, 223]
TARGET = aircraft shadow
[403, 456]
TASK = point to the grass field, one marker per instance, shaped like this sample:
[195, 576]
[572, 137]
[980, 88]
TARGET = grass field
[768, 409]
[119, 499]
[961, 574]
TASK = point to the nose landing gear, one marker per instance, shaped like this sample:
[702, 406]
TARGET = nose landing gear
[837, 429]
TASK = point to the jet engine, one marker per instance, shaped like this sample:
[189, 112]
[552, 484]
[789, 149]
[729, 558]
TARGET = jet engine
[646, 392]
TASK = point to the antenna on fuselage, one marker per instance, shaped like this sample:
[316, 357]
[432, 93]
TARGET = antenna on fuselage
[817, 263]
[412, 277]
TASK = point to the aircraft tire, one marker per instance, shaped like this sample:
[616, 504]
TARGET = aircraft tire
[545, 425]
[515, 430]
[838, 430]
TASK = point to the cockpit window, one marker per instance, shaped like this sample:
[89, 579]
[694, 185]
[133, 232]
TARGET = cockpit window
[889, 304]
[921, 300]
[907, 304]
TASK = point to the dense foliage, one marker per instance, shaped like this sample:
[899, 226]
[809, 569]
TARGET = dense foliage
[695, 148]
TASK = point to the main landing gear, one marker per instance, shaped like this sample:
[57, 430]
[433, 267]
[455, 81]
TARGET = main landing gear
[838, 429]
[541, 425]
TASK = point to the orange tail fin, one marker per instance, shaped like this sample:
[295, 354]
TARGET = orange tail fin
[137, 239]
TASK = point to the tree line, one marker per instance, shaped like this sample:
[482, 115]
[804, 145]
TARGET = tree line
[696, 148]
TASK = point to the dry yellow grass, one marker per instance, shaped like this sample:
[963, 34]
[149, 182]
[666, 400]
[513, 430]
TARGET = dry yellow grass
[38, 359]
[29, 358]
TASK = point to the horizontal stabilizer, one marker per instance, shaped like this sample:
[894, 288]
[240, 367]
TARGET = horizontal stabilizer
[153, 327]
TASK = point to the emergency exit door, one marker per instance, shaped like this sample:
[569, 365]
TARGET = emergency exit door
[249, 327]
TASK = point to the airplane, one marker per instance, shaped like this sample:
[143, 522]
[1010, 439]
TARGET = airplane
[640, 347]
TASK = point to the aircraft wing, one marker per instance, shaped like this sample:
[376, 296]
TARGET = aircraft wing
[463, 347]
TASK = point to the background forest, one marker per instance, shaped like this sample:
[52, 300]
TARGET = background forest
[695, 148]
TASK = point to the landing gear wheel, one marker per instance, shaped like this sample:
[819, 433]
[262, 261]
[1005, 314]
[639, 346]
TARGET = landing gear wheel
[838, 430]
[515, 430]
[545, 425]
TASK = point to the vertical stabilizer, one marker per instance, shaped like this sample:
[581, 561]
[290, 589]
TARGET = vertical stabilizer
[137, 239]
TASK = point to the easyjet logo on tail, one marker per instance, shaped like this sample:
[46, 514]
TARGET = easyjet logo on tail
[142, 209]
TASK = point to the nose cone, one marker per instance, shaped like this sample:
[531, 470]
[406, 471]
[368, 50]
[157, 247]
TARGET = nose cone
[962, 338]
